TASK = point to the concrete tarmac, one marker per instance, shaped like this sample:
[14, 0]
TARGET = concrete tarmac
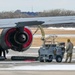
[37, 72]
[7, 64]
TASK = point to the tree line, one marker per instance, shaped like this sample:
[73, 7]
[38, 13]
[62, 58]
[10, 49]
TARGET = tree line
[19, 14]
[57, 12]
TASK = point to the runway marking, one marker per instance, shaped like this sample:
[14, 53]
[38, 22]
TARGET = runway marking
[20, 54]
[40, 46]
[41, 67]
[25, 66]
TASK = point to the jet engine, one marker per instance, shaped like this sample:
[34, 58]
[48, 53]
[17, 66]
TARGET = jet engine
[18, 39]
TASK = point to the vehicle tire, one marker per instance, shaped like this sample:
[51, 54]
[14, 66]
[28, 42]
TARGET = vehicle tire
[50, 58]
[41, 60]
[58, 58]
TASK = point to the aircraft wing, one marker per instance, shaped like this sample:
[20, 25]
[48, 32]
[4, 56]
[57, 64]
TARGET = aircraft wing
[36, 21]
[9, 23]
[60, 20]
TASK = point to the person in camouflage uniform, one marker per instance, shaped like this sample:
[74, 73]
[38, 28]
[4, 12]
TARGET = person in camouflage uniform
[69, 50]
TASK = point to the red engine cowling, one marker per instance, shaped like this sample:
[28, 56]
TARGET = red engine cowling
[12, 38]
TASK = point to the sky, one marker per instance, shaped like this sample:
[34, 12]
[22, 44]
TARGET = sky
[36, 5]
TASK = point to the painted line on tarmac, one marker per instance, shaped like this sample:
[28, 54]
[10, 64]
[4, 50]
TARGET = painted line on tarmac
[41, 46]
[41, 67]
[30, 54]
[60, 67]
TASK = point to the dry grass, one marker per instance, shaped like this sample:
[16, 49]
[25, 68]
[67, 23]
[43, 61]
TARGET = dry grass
[54, 31]
[38, 41]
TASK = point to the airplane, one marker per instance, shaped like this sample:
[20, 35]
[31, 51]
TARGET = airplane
[16, 36]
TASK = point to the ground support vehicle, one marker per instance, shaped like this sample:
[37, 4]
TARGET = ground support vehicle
[48, 52]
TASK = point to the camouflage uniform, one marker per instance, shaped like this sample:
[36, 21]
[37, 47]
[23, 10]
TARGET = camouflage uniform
[69, 50]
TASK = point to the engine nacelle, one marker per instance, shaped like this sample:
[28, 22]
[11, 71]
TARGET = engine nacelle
[11, 38]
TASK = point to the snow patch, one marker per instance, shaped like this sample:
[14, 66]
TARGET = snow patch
[61, 28]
